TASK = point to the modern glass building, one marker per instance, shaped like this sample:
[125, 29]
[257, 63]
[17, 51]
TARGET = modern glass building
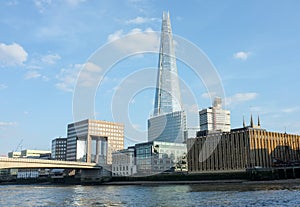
[156, 157]
[170, 127]
[169, 120]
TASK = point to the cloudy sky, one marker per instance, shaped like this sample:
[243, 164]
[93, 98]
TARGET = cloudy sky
[254, 46]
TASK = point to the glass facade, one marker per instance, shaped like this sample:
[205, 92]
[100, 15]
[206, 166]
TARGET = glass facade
[169, 120]
[155, 157]
[167, 96]
[169, 127]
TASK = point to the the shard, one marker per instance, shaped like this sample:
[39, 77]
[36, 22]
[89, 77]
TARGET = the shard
[168, 122]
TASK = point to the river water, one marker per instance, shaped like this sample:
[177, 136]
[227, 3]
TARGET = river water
[253, 194]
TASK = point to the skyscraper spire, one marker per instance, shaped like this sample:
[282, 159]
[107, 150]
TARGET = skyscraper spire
[258, 121]
[251, 122]
[167, 96]
[168, 123]
[244, 124]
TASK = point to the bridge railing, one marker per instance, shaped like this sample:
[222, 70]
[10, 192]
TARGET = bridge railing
[42, 161]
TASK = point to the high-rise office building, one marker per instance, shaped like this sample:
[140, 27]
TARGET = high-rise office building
[59, 148]
[168, 122]
[94, 141]
[215, 118]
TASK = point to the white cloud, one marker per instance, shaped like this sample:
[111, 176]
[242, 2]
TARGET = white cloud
[208, 95]
[12, 3]
[147, 39]
[3, 86]
[41, 5]
[50, 31]
[242, 55]
[11, 55]
[75, 2]
[114, 36]
[32, 75]
[67, 77]
[38, 61]
[90, 76]
[290, 109]
[140, 20]
[7, 124]
[87, 75]
[240, 97]
[50, 58]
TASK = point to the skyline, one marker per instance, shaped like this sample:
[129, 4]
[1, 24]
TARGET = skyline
[254, 47]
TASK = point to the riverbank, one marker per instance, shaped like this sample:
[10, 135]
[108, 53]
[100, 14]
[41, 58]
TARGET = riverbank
[233, 177]
[207, 182]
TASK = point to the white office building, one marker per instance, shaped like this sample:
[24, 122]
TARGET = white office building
[123, 162]
[215, 118]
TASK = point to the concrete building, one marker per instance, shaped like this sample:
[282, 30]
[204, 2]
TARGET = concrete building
[94, 141]
[59, 149]
[156, 157]
[242, 148]
[215, 118]
[14, 154]
[35, 154]
[168, 122]
[123, 162]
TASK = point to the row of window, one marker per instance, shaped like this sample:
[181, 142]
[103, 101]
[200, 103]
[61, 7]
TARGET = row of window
[120, 168]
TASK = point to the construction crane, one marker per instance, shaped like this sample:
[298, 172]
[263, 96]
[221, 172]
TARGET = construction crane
[19, 146]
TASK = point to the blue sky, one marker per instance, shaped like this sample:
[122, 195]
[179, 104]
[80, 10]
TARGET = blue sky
[254, 46]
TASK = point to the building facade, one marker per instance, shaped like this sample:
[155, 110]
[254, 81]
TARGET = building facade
[156, 157]
[241, 149]
[215, 118]
[59, 149]
[170, 127]
[168, 122]
[123, 162]
[94, 141]
[35, 154]
[14, 155]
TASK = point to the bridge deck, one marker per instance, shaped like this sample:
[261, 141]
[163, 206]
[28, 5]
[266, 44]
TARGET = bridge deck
[40, 163]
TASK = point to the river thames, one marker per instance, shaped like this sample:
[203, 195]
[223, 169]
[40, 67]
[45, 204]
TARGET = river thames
[249, 194]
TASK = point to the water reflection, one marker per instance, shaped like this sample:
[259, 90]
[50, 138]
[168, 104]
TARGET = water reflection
[213, 194]
[243, 186]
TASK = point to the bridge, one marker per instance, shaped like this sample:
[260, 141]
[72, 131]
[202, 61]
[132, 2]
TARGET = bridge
[10, 163]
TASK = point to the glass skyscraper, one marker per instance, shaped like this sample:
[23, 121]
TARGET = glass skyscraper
[168, 122]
